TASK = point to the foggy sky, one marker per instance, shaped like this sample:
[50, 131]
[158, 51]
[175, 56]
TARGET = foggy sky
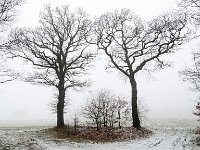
[164, 94]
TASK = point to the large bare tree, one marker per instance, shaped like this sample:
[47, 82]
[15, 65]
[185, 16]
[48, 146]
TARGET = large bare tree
[57, 49]
[131, 44]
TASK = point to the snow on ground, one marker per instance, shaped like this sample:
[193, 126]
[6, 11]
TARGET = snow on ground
[168, 135]
[159, 141]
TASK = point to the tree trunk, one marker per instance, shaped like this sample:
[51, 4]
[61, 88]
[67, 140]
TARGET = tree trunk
[106, 117]
[97, 124]
[135, 117]
[60, 104]
[119, 118]
[104, 121]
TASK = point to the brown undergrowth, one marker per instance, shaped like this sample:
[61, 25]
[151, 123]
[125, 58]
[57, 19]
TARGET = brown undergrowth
[82, 134]
[196, 141]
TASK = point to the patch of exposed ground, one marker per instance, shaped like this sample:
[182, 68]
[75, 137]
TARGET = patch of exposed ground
[102, 135]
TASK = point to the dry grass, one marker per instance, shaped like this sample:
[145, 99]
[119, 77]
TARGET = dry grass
[103, 135]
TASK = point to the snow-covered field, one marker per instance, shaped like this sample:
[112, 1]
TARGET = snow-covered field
[168, 135]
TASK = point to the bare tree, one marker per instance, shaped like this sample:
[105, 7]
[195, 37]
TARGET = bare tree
[105, 109]
[7, 15]
[192, 74]
[131, 44]
[197, 112]
[112, 111]
[122, 106]
[92, 111]
[97, 108]
[76, 121]
[57, 49]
